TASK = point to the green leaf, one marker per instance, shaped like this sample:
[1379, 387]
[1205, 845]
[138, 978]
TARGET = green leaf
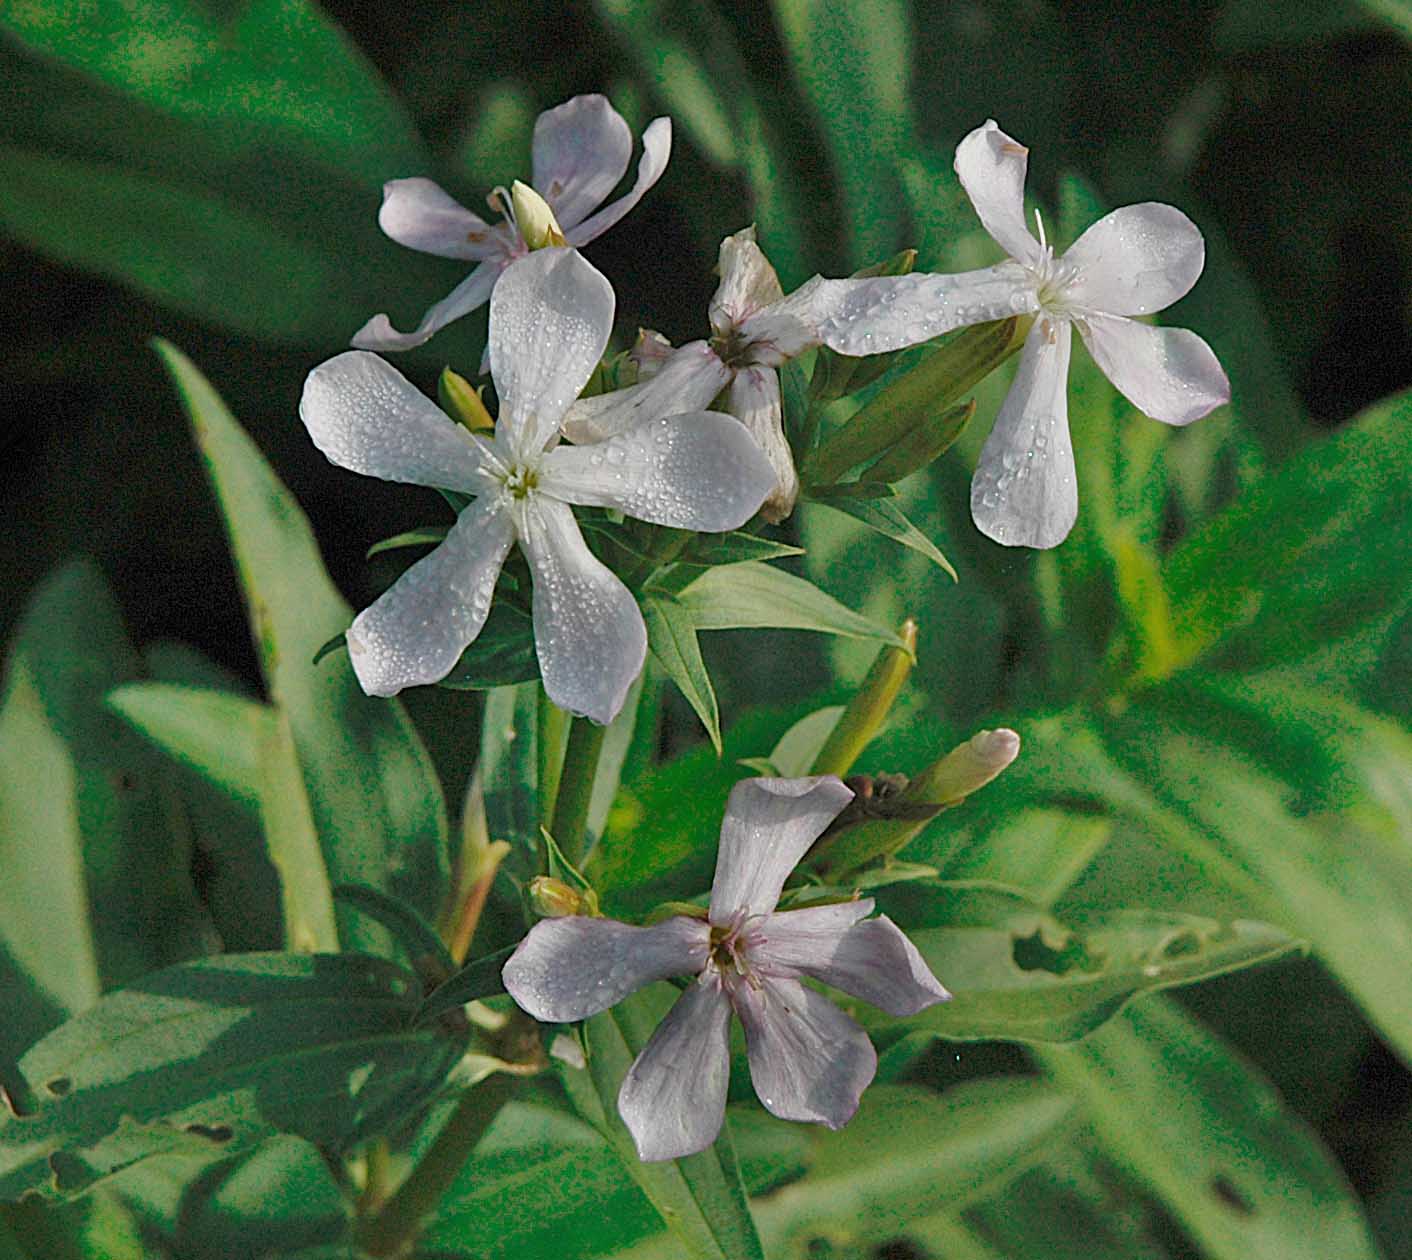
[373, 793]
[794, 753]
[217, 1054]
[709, 550]
[502, 654]
[476, 980]
[413, 933]
[671, 634]
[1212, 1138]
[884, 517]
[509, 766]
[426, 536]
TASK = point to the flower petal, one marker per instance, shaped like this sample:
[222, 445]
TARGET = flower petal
[588, 631]
[550, 318]
[1024, 493]
[886, 313]
[568, 969]
[768, 827]
[748, 282]
[418, 629]
[808, 1060]
[755, 402]
[422, 215]
[656, 149]
[581, 149]
[673, 1098]
[688, 381]
[1136, 260]
[991, 167]
[1169, 374]
[872, 960]
[366, 416]
[379, 334]
[698, 471]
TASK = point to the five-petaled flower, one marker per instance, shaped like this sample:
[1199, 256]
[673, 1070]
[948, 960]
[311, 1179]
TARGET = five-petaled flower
[1134, 261]
[808, 1060]
[550, 318]
[581, 150]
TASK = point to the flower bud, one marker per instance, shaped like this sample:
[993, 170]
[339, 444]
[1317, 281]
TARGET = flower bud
[553, 899]
[462, 401]
[965, 769]
[534, 218]
[868, 709]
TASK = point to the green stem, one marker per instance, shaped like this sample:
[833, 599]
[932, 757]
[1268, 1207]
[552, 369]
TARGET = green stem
[576, 787]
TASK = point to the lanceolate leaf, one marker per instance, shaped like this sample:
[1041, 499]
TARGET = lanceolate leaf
[884, 517]
[671, 634]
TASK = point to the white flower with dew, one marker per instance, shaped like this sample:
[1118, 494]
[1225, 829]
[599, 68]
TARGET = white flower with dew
[808, 1060]
[550, 318]
[580, 151]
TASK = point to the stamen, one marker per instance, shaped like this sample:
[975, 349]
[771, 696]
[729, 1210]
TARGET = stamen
[1039, 223]
[499, 200]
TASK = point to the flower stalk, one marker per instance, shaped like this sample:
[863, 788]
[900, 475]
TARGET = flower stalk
[871, 703]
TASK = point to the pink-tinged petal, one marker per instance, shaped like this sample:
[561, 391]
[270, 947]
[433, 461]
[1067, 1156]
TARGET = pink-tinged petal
[784, 330]
[1137, 260]
[788, 939]
[581, 150]
[688, 381]
[698, 471]
[366, 416]
[1025, 493]
[650, 353]
[379, 334]
[872, 960]
[885, 313]
[755, 402]
[588, 630]
[808, 1060]
[768, 827]
[420, 214]
[418, 629]
[991, 167]
[550, 318]
[656, 149]
[1169, 374]
[568, 969]
[673, 1098]
[748, 282]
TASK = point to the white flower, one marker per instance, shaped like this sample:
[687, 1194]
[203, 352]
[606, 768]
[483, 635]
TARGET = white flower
[580, 152]
[808, 1060]
[550, 318]
[1134, 261]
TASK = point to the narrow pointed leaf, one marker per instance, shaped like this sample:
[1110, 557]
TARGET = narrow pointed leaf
[671, 634]
[884, 517]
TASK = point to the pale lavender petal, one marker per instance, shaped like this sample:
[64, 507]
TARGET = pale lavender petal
[568, 969]
[1025, 493]
[1134, 261]
[808, 1060]
[588, 630]
[781, 944]
[366, 416]
[673, 1098]
[422, 623]
[420, 214]
[748, 282]
[768, 827]
[379, 334]
[991, 167]
[698, 471]
[783, 331]
[550, 319]
[581, 149]
[656, 149]
[1169, 374]
[755, 402]
[687, 381]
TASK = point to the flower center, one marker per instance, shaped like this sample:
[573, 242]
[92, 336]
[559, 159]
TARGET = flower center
[520, 480]
[729, 949]
[1052, 276]
[733, 349]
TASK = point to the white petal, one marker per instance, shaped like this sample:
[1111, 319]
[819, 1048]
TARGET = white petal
[1169, 374]
[1137, 260]
[420, 626]
[748, 282]
[588, 631]
[420, 214]
[873, 316]
[699, 471]
[656, 149]
[1024, 493]
[581, 149]
[550, 318]
[769, 825]
[688, 381]
[366, 416]
[991, 167]
[872, 960]
[379, 334]
[568, 969]
[808, 1060]
[755, 402]
[673, 1098]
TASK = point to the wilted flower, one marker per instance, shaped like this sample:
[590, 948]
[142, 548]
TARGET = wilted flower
[1134, 261]
[549, 322]
[808, 1060]
[581, 150]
